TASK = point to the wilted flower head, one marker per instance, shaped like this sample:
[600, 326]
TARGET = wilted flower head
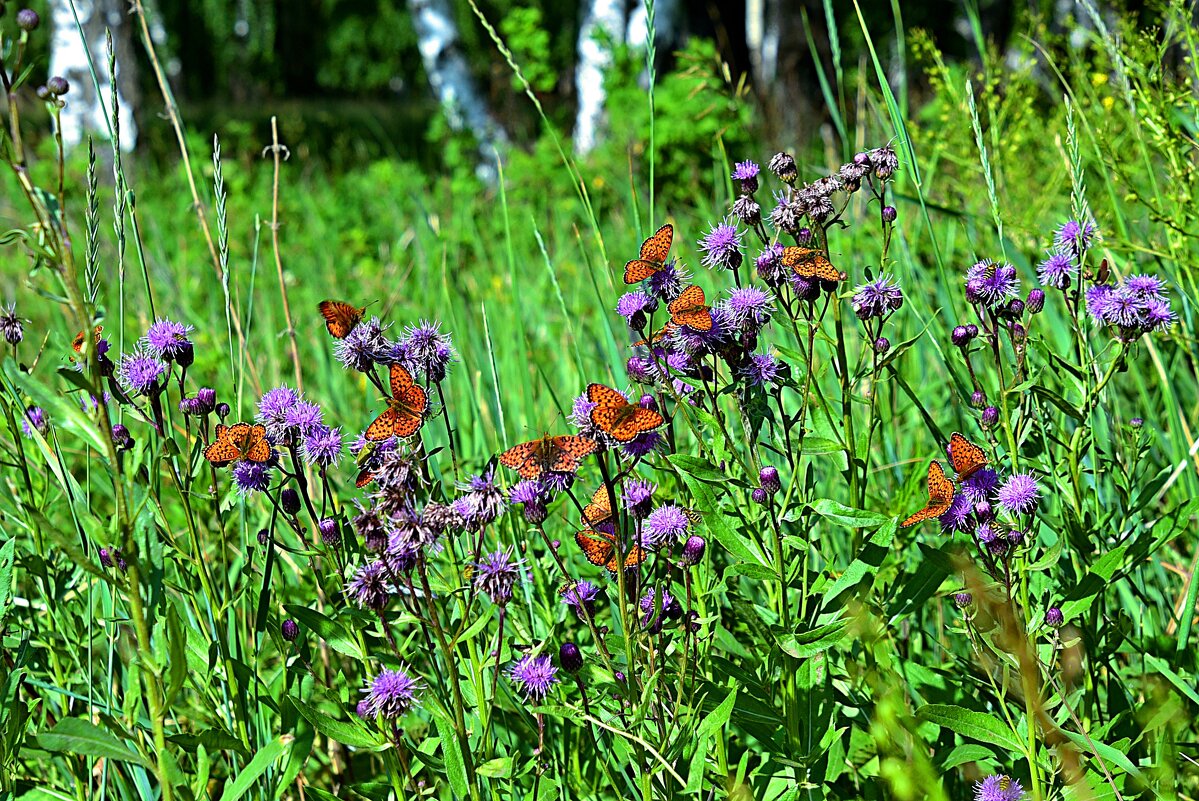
[998, 788]
[364, 346]
[783, 165]
[991, 284]
[369, 588]
[251, 476]
[1075, 237]
[747, 210]
[139, 372]
[482, 500]
[885, 162]
[722, 246]
[496, 574]
[534, 676]
[391, 694]
[1019, 494]
[34, 420]
[664, 526]
[166, 339]
[877, 298]
[788, 213]
[10, 325]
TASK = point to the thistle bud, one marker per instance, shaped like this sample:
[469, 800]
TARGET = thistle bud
[889, 214]
[759, 496]
[882, 345]
[978, 399]
[570, 658]
[768, 479]
[289, 630]
[121, 437]
[28, 19]
[962, 600]
[222, 410]
[1054, 617]
[58, 85]
[693, 551]
[330, 534]
[1036, 301]
[990, 417]
[289, 499]
[961, 336]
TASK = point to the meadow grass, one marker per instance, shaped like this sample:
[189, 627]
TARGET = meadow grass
[831, 658]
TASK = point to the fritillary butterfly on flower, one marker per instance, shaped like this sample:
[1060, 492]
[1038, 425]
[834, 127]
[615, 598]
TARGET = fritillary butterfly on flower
[940, 496]
[966, 457]
[598, 510]
[810, 263]
[77, 343]
[653, 256]
[600, 549]
[561, 454]
[236, 442]
[340, 317]
[691, 309]
[614, 415]
[405, 408]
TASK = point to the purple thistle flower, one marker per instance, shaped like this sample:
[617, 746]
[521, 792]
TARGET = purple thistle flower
[958, 516]
[428, 349]
[139, 372]
[638, 495]
[667, 607]
[694, 342]
[667, 284]
[274, 407]
[364, 346]
[634, 307]
[1075, 237]
[746, 173]
[483, 500]
[1147, 286]
[664, 526]
[722, 246]
[34, 420]
[998, 788]
[992, 285]
[391, 694]
[804, 288]
[750, 309]
[762, 370]
[580, 596]
[1125, 308]
[369, 588]
[534, 676]
[532, 496]
[770, 265]
[1158, 315]
[166, 339]
[251, 476]
[1057, 270]
[642, 445]
[1098, 300]
[303, 415]
[1019, 494]
[877, 298]
[496, 574]
[641, 370]
[980, 484]
[322, 446]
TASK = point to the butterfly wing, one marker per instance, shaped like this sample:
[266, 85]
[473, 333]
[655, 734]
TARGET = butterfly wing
[222, 450]
[257, 448]
[690, 308]
[523, 458]
[407, 422]
[940, 496]
[383, 427]
[400, 380]
[634, 557]
[599, 509]
[633, 420]
[966, 457]
[637, 270]
[364, 477]
[568, 453]
[657, 247]
[340, 317]
[596, 547]
[810, 263]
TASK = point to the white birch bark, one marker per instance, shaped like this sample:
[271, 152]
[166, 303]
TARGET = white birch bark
[86, 111]
[452, 83]
[604, 20]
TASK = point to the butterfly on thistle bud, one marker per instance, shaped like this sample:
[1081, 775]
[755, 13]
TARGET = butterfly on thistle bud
[810, 263]
[561, 454]
[405, 408]
[340, 317]
[238, 442]
[691, 309]
[77, 342]
[652, 257]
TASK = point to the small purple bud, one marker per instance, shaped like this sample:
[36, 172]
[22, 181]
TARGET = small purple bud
[222, 410]
[289, 630]
[42, 92]
[962, 600]
[28, 19]
[121, 438]
[882, 345]
[972, 330]
[1019, 334]
[990, 417]
[693, 551]
[1054, 617]
[1136, 422]
[105, 557]
[58, 85]
[978, 399]
[535, 512]
[556, 544]
[1015, 537]
[804, 236]
[759, 496]
[1036, 301]
[768, 478]
[186, 355]
[648, 402]
[960, 336]
[570, 658]
[206, 398]
[330, 534]
[889, 214]
[122, 565]
[188, 407]
[862, 159]
[363, 709]
[264, 537]
[289, 499]
[619, 676]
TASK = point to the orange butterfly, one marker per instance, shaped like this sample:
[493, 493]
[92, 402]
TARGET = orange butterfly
[236, 442]
[599, 510]
[561, 454]
[691, 310]
[661, 334]
[340, 317]
[653, 256]
[613, 414]
[810, 263]
[77, 343]
[365, 476]
[600, 549]
[405, 408]
[966, 457]
[940, 496]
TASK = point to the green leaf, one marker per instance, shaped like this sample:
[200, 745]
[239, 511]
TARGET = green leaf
[7, 558]
[717, 523]
[865, 564]
[698, 468]
[331, 631]
[177, 648]
[810, 643]
[346, 733]
[968, 723]
[78, 736]
[455, 767]
[966, 752]
[718, 716]
[1108, 753]
[496, 768]
[246, 777]
[848, 516]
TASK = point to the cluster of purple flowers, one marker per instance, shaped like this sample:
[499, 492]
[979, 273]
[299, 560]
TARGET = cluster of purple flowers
[991, 511]
[1134, 306]
[290, 420]
[423, 350]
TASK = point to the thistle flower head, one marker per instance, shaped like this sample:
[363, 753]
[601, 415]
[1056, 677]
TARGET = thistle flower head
[251, 477]
[992, 285]
[998, 788]
[496, 575]
[664, 526]
[634, 307]
[428, 349]
[11, 327]
[391, 694]
[885, 162]
[788, 213]
[1075, 237]
[877, 298]
[749, 308]
[534, 676]
[364, 346]
[762, 370]
[722, 246]
[369, 588]
[1019, 494]
[638, 495]
[482, 500]
[140, 371]
[322, 446]
[166, 339]
[667, 283]
[1056, 270]
[34, 420]
[274, 407]
[580, 596]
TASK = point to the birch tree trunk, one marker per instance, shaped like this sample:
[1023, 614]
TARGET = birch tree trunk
[86, 111]
[603, 24]
[450, 78]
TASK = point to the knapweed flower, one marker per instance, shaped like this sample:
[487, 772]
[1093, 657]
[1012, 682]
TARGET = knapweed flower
[34, 420]
[496, 574]
[788, 213]
[638, 496]
[804, 288]
[746, 174]
[959, 515]
[166, 339]
[641, 370]
[482, 500]
[998, 788]
[666, 607]
[1075, 237]
[664, 526]
[877, 298]
[722, 246]
[273, 408]
[770, 265]
[1019, 494]
[391, 694]
[139, 372]
[534, 676]
[428, 349]
[369, 588]
[693, 341]
[531, 496]
[667, 284]
[1133, 307]
[364, 346]
[322, 446]
[635, 307]
[642, 445]
[979, 485]
[303, 416]
[580, 596]
[1057, 270]
[10, 325]
[762, 370]
[962, 600]
[1055, 617]
[991, 284]
[749, 308]
[251, 477]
